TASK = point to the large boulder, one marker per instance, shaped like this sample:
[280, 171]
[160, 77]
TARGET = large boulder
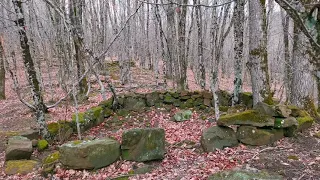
[18, 148]
[182, 115]
[20, 167]
[257, 137]
[249, 117]
[143, 144]
[218, 138]
[244, 175]
[89, 154]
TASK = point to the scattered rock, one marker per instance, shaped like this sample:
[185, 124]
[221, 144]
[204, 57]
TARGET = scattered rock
[20, 167]
[143, 144]
[249, 117]
[42, 144]
[89, 154]
[182, 115]
[18, 148]
[218, 138]
[244, 175]
[257, 137]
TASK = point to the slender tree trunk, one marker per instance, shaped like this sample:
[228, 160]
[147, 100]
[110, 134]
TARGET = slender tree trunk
[238, 48]
[30, 69]
[182, 84]
[258, 62]
[200, 46]
[287, 60]
[2, 71]
[170, 41]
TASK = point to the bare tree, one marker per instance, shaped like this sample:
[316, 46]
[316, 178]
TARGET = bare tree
[2, 71]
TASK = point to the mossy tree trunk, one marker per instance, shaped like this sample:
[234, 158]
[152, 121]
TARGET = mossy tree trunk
[40, 108]
[2, 71]
[258, 57]
[238, 49]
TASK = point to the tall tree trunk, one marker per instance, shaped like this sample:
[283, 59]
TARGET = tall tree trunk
[238, 49]
[30, 69]
[182, 16]
[2, 71]
[258, 62]
[200, 46]
[76, 8]
[302, 81]
[170, 41]
[287, 60]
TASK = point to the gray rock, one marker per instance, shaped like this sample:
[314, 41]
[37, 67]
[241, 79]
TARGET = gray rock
[218, 138]
[265, 109]
[20, 167]
[182, 115]
[255, 136]
[18, 148]
[283, 110]
[249, 117]
[143, 144]
[89, 154]
[284, 123]
[30, 133]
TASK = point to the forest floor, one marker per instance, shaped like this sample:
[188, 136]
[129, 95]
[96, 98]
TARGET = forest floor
[294, 158]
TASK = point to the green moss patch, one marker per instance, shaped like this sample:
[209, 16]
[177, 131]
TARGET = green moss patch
[42, 145]
[51, 158]
[20, 166]
[304, 122]
[249, 117]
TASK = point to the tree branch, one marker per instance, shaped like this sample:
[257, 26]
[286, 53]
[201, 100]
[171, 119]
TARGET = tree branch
[188, 5]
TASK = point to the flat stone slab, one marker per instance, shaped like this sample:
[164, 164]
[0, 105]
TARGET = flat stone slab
[20, 167]
[18, 148]
[143, 144]
[89, 154]
[249, 117]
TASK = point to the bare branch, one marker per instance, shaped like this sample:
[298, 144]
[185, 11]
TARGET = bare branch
[188, 5]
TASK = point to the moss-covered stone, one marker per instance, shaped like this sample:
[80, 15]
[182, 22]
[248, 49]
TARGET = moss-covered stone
[20, 167]
[107, 104]
[304, 123]
[293, 157]
[255, 136]
[198, 102]
[265, 109]
[91, 154]
[123, 112]
[249, 117]
[42, 145]
[182, 116]
[168, 99]
[95, 114]
[189, 103]
[51, 158]
[223, 108]
[174, 94]
[218, 138]
[18, 148]
[143, 144]
[225, 98]
[152, 98]
[246, 98]
[134, 103]
[60, 130]
[107, 112]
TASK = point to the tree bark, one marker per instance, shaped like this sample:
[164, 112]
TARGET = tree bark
[30, 69]
[258, 62]
[238, 49]
[2, 71]
[200, 46]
